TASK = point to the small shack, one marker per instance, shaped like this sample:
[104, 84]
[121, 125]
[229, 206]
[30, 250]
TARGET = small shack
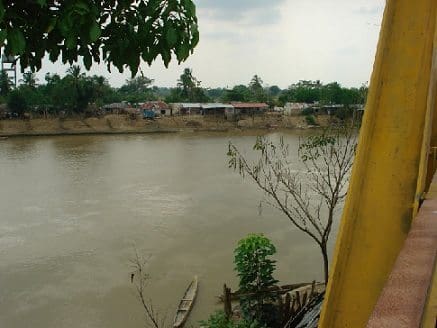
[160, 108]
[189, 108]
[295, 108]
[250, 108]
[115, 108]
[217, 109]
[331, 109]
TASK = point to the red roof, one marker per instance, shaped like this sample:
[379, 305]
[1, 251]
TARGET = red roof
[155, 105]
[249, 105]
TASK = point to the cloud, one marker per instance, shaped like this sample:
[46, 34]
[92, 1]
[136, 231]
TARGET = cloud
[369, 10]
[281, 40]
[242, 12]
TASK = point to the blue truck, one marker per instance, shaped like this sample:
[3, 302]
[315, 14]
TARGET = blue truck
[148, 114]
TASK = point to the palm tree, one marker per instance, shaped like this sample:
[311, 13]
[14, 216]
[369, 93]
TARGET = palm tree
[29, 79]
[5, 83]
[75, 73]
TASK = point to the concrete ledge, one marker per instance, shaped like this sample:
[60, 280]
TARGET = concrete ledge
[403, 299]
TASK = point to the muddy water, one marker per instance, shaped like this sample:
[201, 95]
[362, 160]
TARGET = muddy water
[74, 209]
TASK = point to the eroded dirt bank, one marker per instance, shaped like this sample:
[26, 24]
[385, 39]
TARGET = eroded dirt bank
[113, 124]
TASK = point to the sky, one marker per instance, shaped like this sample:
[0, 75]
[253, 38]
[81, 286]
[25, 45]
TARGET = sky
[282, 41]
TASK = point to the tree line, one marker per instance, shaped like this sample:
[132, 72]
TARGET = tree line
[79, 93]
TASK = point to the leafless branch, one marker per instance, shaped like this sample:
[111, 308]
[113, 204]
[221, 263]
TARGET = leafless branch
[140, 278]
[303, 195]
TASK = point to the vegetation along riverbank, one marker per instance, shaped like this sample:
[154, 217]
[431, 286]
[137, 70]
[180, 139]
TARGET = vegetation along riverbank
[119, 124]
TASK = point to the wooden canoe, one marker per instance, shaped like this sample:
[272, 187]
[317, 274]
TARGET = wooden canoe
[186, 304]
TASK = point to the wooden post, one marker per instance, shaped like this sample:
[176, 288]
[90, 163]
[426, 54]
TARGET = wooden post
[293, 309]
[299, 303]
[227, 301]
[313, 289]
[281, 309]
[304, 298]
[287, 307]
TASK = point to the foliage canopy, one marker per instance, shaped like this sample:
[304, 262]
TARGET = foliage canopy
[116, 32]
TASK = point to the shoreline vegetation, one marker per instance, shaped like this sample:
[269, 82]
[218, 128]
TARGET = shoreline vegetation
[124, 124]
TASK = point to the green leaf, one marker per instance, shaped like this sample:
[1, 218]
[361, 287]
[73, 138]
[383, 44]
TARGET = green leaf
[87, 61]
[81, 7]
[182, 52]
[95, 32]
[42, 3]
[3, 35]
[16, 41]
[195, 39]
[54, 54]
[190, 7]
[171, 36]
[166, 57]
[70, 42]
[2, 10]
[52, 24]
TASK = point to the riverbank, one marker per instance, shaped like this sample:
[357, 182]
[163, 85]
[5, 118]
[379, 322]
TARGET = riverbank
[123, 124]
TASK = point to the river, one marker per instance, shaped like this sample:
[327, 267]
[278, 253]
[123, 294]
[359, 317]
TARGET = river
[73, 210]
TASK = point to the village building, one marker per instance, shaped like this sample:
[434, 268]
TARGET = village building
[278, 109]
[159, 108]
[217, 109]
[250, 108]
[295, 108]
[116, 108]
[187, 108]
[332, 108]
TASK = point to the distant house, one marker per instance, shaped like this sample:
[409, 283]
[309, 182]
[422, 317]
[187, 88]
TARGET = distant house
[250, 108]
[158, 107]
[188, 108]
[216, 109]
[294, 108]
[3, 111]
[115, 108]
[332, 109]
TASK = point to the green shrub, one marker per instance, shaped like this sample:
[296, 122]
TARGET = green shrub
[255, 270]
[17, 102]
[311, 120]
[308, 111]
[343, 113]
[218, 320]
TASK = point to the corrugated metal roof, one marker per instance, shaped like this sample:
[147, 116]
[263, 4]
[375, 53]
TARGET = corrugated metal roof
[249, 105]
[116, 105]
[216, 105]
[190, 105]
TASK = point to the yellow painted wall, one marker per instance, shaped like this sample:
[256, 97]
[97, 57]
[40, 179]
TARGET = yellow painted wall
[382, 192]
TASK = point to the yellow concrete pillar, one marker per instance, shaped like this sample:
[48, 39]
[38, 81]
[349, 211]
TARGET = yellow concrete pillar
[385, 182]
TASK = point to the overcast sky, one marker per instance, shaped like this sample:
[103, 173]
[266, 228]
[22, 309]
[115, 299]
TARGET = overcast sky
[282, 41]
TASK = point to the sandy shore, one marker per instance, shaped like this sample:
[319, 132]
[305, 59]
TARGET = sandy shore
[121, 124]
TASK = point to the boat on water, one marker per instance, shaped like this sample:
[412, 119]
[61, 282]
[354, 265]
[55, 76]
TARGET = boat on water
[186, 304]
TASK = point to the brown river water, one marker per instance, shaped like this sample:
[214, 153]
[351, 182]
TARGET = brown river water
[73, 210]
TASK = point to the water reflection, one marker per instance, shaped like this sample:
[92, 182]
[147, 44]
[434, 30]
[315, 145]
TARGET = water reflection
[73, 209]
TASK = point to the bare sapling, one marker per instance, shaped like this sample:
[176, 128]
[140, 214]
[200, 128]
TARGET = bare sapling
[308, 197]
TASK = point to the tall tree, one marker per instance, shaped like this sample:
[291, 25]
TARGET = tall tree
[137, 89]
[119, 33]
[237, 93]
[80, 88]
[256, 89]
[189, 87]
[29, 79]
[5, 83]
